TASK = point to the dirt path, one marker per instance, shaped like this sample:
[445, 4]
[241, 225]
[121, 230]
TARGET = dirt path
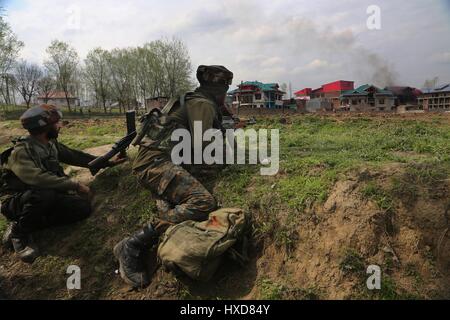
[83, 175]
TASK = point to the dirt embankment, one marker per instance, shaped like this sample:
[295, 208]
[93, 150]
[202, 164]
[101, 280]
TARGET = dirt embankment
[361, 225]
[390, 217]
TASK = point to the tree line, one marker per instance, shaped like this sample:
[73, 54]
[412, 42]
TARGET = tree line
[123, 77]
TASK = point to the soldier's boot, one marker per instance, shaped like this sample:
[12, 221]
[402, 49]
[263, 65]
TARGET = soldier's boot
[23, 245]
[131, 253]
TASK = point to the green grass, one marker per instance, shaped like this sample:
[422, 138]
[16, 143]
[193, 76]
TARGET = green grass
[79, 134]
[382, 198]
[352, 262]
[272, 290]
[315, 152]
[3, 225]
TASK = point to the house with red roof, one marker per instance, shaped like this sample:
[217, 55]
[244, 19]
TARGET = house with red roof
[327, 93]
[58, 98]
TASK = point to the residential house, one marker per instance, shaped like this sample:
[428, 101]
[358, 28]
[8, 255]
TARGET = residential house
[58, 98]
[255, 94]
[405, 95]
[367, 98]
[327, 93]
[437, 99]
[155, 102]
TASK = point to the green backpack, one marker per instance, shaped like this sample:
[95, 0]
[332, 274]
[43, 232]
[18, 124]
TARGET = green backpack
[197, 248]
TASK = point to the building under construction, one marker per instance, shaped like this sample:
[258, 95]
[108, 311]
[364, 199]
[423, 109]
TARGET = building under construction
[437, 99]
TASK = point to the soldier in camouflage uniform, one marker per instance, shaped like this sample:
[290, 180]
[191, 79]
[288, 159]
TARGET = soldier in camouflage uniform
[36, 193]
[181, 196]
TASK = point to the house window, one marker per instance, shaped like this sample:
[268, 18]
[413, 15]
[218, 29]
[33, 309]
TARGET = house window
[381, 101]
[354, 102]
[258, 96]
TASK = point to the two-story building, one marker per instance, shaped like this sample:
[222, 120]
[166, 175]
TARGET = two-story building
[368, 98]
[437, 99]
[255, 94]
[328, 94]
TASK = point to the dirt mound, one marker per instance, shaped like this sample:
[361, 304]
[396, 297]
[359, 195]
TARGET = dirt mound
[361, 224]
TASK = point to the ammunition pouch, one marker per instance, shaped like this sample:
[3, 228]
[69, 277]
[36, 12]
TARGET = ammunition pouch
[157, 126]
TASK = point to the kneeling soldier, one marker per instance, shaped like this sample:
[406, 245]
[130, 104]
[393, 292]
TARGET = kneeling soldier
[36, 193]
[180, 195]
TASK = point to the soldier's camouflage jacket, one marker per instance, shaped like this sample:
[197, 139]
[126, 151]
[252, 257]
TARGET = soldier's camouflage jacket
[198, 106]
[32, 164]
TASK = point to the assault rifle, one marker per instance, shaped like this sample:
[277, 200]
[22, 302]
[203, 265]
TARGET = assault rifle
[119, 147]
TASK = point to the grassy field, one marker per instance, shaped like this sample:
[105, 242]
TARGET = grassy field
[316, 152]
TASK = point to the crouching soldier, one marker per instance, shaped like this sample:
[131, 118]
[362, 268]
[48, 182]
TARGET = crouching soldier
[180, 195]
[36, 194]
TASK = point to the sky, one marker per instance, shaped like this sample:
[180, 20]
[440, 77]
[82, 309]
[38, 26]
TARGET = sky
[305, 43]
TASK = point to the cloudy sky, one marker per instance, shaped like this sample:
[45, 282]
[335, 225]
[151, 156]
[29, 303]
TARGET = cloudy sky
[307, 43]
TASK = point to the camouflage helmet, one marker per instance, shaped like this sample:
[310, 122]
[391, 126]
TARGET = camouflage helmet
[40, 116]
[214, 75]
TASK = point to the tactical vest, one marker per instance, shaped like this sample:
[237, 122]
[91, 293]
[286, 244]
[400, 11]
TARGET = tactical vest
[158, 125]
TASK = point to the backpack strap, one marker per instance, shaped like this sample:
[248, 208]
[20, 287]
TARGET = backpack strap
[4, 156]
[240, 256]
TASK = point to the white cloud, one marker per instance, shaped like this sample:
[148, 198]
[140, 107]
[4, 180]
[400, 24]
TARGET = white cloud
[269, 40]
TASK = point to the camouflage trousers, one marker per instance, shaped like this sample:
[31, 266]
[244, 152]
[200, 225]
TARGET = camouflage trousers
[186, 197]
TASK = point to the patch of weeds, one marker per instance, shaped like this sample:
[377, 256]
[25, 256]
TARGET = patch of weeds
[429, 175]
[428, 254]
[377, 194]
[353, 263]
[269, 290]
[404, 190]
[287, 237]
[52, 264]
[3, 225]
[411, 271]
[388, 263]
[301, 191]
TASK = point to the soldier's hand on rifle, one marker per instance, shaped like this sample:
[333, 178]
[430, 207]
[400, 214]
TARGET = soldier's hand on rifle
[119, 159]
[83, 189]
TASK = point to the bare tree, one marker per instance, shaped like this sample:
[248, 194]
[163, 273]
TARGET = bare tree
[27, 77]
[45, 86]
[62, 65]
[9, 50]
[174, 58]
[120, 66]
[97, 75]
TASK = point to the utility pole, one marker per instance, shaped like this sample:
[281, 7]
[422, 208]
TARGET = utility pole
[290, 90]
[239, 98]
